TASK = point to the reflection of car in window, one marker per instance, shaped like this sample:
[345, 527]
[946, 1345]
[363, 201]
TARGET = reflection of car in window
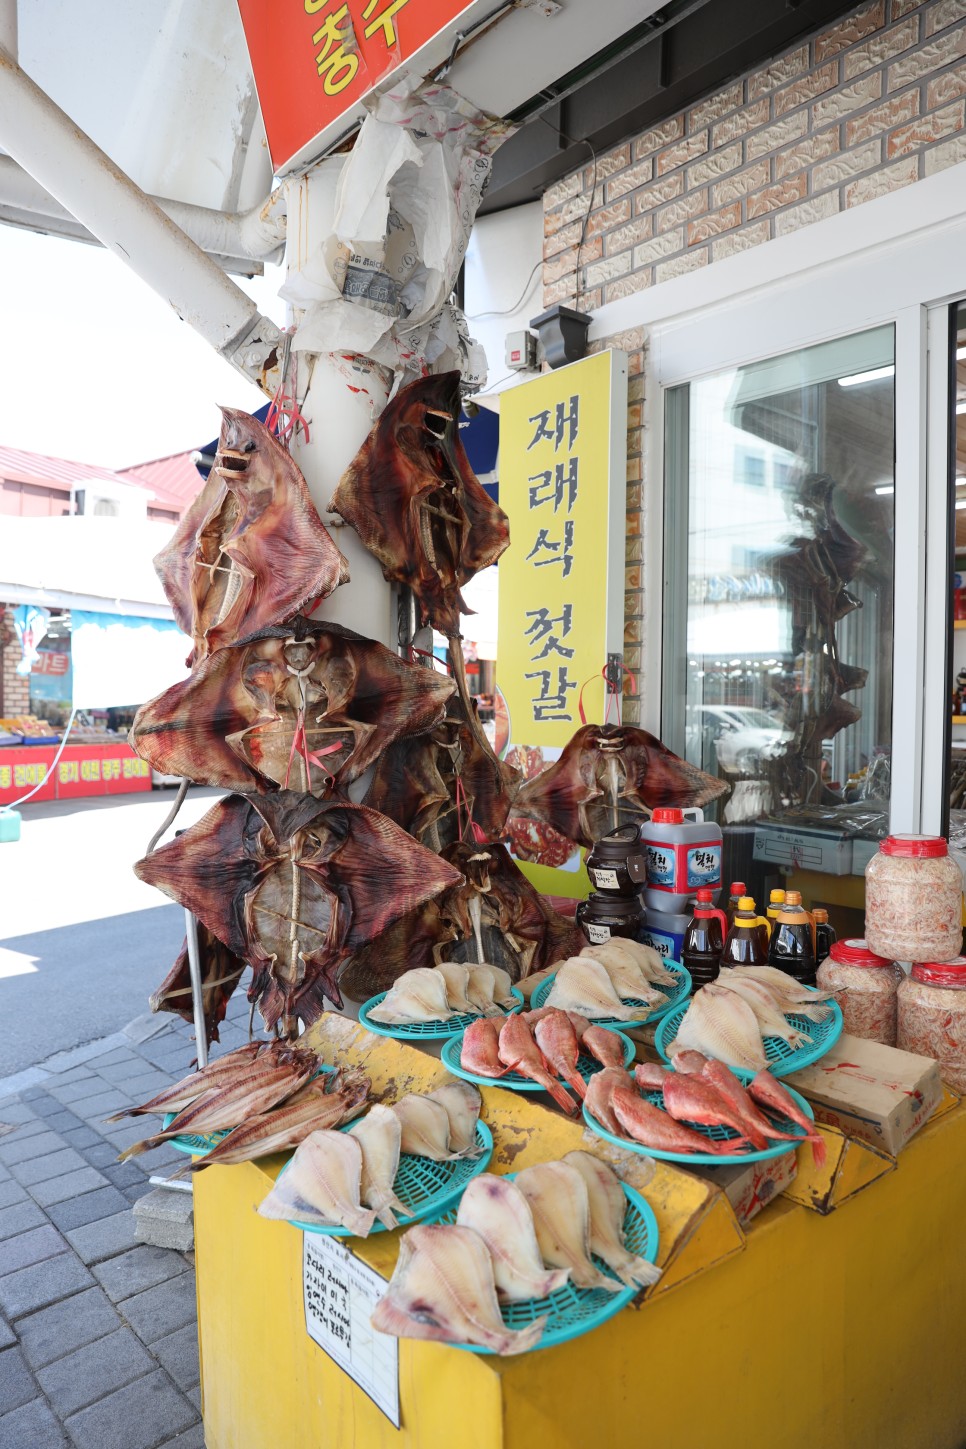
[736, 737]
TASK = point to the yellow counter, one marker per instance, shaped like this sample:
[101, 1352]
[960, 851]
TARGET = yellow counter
[824, 1331]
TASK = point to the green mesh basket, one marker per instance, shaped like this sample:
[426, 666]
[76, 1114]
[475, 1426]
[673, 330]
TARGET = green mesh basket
[713, 1134]
[782, 1058]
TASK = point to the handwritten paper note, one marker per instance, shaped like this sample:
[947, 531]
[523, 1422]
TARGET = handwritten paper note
[340, 1293]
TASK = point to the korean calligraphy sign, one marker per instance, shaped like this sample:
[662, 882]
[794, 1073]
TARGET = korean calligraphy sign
[563, 444]
[314, 60]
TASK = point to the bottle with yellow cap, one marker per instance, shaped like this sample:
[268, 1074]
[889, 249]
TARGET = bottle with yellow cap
[745, 942]
[776, 900]
[792, 946]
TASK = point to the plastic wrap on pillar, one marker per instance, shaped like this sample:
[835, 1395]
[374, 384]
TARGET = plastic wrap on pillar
[407, 196]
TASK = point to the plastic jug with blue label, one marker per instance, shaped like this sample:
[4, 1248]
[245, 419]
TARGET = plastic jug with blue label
[681, 856]
[664, 931]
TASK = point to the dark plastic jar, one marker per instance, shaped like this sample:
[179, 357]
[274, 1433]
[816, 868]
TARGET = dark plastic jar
[600, 917]
[607, 862]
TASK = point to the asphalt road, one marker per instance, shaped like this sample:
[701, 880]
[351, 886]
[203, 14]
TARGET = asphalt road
[83, 942]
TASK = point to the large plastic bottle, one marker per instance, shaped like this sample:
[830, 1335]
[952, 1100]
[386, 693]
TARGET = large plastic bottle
[745, 943]
[791, 947]
[704, 940]
[681, 856]
[776, 900]
[738, 889]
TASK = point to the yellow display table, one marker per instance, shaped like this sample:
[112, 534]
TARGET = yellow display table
[808, 1330]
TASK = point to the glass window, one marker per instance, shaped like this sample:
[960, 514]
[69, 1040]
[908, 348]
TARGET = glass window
[778, 609]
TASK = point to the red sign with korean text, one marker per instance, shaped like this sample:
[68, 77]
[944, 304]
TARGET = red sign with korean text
[81, 770]
[314, 59]
[50, 661]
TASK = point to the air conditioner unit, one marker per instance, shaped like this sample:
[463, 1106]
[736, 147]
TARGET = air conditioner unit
[99, 499]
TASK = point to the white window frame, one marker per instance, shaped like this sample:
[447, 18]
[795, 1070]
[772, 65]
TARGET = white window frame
[900, 260]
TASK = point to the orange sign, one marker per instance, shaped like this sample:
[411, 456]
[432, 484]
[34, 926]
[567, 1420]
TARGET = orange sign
[314, 59]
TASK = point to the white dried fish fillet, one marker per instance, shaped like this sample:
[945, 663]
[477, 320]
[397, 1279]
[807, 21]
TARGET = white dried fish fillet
[627, 979]
[481, 989]
[461, 1102]
[608, 1204]
[443, 1288]
[719, 1024]
[502, 994]
[457, 978]
[786, 989]
[495, 1208]
[425, 1128]
[418, 995]
[581, 984]
[645, 958]
[768, 1012]
[321, 1185]
[558, 1199]
[379, 1135]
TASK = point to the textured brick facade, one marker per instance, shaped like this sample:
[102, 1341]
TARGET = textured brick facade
[870, 104]
[14, 687]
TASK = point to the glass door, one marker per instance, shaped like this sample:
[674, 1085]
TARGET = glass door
[779, 604]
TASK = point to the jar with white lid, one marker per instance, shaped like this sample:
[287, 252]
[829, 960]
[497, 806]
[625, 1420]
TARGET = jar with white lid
[932, 1017]
[866, 988]
[913, 900]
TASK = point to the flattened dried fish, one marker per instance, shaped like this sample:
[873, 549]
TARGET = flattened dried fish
[581, 984]
[495, 1208]
[379, 1135]
[418, 995]
[608, 1206]
[324, 1102]
[558, 1199]
[461, 1102]
[321, 1185]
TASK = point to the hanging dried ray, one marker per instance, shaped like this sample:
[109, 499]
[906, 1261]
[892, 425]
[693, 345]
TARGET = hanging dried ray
[611, 775]
[415, 502]
[493, 914]
[417, 780]
[251, 550]
[294, 885]
[221, 971]
[301, 705]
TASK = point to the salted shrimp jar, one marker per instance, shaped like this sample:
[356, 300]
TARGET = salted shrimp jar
[866, 987]
[913, 900]
[932, 1017]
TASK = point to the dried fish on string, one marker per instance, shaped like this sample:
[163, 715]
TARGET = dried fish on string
[221, 971]
[608, 776]
[251, 550]
[294, 886]
[305, 704]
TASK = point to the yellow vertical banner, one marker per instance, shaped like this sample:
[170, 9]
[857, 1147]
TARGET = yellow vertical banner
[563, 450]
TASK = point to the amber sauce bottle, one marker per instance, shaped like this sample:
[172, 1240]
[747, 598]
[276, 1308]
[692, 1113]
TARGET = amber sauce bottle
[791, 948]
[744, 944]
[704, 940]
[738, 890]
[825, 936]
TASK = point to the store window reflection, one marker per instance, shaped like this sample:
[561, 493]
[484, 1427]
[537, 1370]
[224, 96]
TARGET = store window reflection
[778, 624]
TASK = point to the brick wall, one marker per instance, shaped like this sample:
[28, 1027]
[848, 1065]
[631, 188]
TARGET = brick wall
[867, 105]
[14, 687]
[863, 107]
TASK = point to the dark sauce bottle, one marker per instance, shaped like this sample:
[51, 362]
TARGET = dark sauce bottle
[744, 944]
[792, 948]
[704, 940]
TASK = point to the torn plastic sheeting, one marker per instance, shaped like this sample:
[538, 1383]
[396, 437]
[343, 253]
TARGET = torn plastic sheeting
[406, 202]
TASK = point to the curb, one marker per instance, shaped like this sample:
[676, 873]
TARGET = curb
[137, 1031]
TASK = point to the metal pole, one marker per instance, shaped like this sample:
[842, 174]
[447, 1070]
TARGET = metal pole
[45, 141]
[197, 994]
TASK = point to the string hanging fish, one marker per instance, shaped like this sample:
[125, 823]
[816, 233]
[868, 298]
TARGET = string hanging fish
[307, 705]
[294, 886]
[251, 550]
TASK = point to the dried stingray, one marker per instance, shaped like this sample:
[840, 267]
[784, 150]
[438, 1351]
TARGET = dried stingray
[608, 776]
[294, 886]
[493, 916]
[306, 705]
[221, 971]
[415, 502]
[251, 550]
[416, 782]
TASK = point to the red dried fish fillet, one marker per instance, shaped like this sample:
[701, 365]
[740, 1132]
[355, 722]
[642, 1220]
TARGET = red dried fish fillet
[415, 502]
[234, 722]
[294, 885]
[251, 550]
[611, 775]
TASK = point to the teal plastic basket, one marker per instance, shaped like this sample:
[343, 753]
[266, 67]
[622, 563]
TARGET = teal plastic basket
[427, 1188]
[586, 1066]
[676, 994]
[198, 1144]
[714, 1134]
[572, 1312]
[782, 1058]
[427, 1030]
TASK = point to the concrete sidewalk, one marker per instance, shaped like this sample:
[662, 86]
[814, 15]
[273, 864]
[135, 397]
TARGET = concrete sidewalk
[98, 1333]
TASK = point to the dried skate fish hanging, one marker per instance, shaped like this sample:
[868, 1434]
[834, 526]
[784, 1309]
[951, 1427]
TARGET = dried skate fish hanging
[294, 886]
[251, 550]
[305, 705]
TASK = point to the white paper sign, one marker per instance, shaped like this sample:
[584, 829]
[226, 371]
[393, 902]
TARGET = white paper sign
[340, 1294]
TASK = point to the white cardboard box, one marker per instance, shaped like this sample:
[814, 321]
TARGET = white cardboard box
[750, 1186]
[875, 1093]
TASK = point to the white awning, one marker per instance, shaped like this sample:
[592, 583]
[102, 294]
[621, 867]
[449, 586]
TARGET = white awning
[83, 562]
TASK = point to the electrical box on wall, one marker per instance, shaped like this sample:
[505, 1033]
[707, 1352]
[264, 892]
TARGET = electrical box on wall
[521, 351]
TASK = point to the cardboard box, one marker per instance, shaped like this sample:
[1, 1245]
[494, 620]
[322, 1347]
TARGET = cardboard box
[874, 1093]
[750, 1186]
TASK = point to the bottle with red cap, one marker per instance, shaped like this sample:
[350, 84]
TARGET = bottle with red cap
[682, 855]
[932, 1016]
[738, 889]
[704, 940]
[866, 988]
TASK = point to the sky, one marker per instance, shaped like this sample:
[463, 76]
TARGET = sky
[96, 367]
